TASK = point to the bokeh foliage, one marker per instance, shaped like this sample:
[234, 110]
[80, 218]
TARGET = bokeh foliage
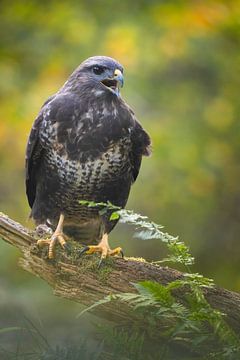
[182, 62]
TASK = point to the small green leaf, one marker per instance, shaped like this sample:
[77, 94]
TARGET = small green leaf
[114, 216]
[83, 202]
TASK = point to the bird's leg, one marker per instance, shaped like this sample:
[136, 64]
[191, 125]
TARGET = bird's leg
[103, 248]
[57, 236]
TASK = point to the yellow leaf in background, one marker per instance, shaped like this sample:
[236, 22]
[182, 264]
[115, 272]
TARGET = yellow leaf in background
[121, 42]
[206, 14]
[193, 17]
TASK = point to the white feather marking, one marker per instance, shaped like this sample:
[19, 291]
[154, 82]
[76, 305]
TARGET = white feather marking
[78, 173]
[97, 92]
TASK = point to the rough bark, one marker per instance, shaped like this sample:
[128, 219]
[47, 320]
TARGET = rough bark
[80, 280]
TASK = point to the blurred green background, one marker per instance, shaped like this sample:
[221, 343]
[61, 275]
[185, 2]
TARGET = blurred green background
[182, 78]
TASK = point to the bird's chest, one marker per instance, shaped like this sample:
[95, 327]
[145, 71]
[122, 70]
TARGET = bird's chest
[92, 174]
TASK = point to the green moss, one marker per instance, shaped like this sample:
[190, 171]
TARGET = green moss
[86, 263]
[103, 274]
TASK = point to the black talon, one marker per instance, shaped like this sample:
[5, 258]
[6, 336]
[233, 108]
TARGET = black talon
[67, 247]
[100, 263]
[122, 254]
[83, 250]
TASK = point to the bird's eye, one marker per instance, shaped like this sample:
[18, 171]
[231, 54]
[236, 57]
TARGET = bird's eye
[98, 70]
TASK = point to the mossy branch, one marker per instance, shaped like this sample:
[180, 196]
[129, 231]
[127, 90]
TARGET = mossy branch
[81, 281]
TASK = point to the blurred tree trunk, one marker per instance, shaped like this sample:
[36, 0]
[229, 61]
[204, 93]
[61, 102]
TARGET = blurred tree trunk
[81, 281]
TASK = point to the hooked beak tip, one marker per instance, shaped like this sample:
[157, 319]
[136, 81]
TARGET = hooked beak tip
[118, 75]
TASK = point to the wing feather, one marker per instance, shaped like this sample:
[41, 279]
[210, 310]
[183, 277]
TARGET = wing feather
[34, 152]
[32, 160]
[141, 146]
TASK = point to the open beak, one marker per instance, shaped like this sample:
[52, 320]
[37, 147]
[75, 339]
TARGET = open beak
[115, 82]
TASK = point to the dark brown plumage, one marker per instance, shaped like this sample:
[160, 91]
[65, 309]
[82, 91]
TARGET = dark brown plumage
[86, 144]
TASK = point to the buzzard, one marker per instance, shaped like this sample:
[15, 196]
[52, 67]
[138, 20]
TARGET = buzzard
[85, 144]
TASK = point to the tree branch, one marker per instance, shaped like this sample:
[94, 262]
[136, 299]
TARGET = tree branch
[80, 280]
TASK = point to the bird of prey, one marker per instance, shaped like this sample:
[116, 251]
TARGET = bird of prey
[85, 144]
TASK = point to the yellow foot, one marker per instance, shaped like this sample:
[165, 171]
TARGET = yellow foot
[51, 243]
[102, 248]
[91, 249]
[57, 237]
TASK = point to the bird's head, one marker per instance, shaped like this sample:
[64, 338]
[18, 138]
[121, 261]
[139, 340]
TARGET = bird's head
[102, 73]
